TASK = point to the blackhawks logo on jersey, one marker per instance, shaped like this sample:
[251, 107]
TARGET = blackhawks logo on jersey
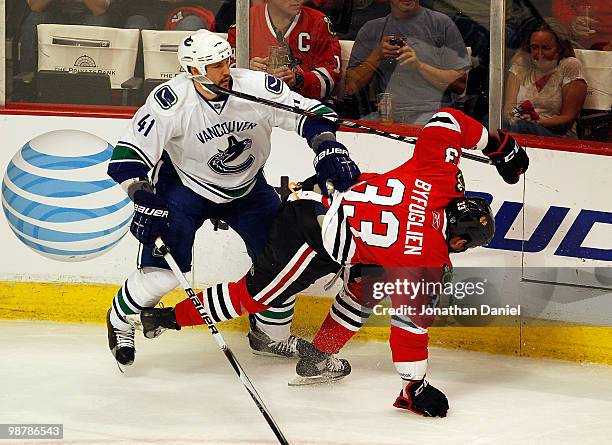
[221, 162]
[330, 25]
[460, 185]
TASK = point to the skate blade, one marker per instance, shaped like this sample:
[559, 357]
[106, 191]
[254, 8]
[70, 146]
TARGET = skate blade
[302, 381]
[124, 368]
[134, 321]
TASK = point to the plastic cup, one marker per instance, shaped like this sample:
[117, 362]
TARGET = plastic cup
[278, 56]
[385, 108]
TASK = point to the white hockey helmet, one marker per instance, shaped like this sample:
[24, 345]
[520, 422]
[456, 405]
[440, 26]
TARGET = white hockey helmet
[201, 49]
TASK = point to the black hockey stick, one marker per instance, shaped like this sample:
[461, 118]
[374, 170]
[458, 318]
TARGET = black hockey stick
[163, 249]
[397, 137]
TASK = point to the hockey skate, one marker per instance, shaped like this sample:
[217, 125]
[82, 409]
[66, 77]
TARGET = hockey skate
[121, 343]
[261, 344]
[153, 322]
[318, 367]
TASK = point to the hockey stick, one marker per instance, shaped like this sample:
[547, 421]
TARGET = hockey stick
[163, 249]
[297, 110]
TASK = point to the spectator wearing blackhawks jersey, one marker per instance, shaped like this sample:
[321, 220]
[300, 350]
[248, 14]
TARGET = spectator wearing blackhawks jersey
[401, 224]
[314, 50]
[207, 152]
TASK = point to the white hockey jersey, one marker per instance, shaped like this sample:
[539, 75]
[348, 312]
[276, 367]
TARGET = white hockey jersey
[217, 147]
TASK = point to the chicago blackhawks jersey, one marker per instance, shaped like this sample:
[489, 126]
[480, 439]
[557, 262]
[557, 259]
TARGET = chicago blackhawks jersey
[397, 219]
[216, 147]
[312, 42]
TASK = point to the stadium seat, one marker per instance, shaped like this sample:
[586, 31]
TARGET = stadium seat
[355, 106]
[160, 60]
[595, 120]
[346, 46]
[71, 56]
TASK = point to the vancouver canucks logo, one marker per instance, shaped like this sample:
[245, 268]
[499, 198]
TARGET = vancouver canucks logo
[220, 163]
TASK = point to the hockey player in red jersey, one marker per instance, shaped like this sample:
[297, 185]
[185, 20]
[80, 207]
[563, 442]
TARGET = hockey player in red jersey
[399, 224]
[313, 67]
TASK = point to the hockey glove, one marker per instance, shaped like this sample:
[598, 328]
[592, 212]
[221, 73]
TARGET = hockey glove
[509, 158]
[422, 398]
[150, 216]
[333, 163]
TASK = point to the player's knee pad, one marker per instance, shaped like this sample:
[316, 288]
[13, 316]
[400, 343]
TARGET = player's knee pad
[148, 285]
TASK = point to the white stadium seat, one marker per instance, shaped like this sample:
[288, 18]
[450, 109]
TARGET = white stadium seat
[346, 46]
[88, 49]
[598, 72]
[159, 48]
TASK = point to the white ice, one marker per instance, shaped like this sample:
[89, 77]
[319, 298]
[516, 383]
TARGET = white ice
[181, 390]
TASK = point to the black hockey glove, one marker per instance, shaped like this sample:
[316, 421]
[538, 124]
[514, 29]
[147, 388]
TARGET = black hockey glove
[422, 398]
[509, 158]
[150, 216]
[334, 164]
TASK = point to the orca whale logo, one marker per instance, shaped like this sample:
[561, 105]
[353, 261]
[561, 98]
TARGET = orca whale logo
[220, 163]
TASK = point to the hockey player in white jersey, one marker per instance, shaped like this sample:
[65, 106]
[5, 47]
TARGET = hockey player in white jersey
[190, 155]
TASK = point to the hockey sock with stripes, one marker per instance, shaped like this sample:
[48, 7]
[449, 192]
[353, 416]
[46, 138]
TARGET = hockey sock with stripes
[345, 318]
[143, 289]
[222, 302]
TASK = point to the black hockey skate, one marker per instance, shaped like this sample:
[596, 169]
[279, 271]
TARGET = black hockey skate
[153, 322]
[121, 343]
[318, 367]
[261, 344]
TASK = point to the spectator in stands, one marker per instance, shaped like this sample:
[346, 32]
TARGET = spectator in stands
[416, 70]
[71, 12]
[364, 11]
[226, 15]
[588, 21]
[472, 19]
[546, 88]
[168, 14]
[313, 65]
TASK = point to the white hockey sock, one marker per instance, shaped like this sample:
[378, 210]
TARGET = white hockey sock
[410, 371]
[275, 322]
[143, 289]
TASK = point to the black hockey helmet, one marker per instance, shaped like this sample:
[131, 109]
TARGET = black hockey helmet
[471, 219]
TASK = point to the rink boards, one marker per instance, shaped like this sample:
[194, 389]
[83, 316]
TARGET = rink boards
[559, 273]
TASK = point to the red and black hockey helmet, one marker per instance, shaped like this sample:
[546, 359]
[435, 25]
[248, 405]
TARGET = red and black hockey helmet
[471, 219]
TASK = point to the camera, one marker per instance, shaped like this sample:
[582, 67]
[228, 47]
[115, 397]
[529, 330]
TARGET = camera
[396, 41]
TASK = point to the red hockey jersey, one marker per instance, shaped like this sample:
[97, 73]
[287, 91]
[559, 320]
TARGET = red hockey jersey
[314, 47]
[397, 219]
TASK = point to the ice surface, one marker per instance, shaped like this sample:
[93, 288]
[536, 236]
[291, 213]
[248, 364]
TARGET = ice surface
[181, 390]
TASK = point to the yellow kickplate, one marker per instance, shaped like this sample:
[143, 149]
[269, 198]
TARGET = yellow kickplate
[88, 303]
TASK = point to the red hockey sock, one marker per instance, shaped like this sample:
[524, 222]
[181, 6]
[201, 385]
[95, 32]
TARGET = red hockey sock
[407, 346]
[233, 300]
[186, 314]
[332, 336]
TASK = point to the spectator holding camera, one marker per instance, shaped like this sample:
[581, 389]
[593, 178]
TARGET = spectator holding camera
[588, 21]
[546, 88]
[69, 12]
[296, 44]
[415, 54]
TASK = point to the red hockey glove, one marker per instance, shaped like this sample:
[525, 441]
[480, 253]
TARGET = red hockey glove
[422, 398]
[509, 158]
[526, 107]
